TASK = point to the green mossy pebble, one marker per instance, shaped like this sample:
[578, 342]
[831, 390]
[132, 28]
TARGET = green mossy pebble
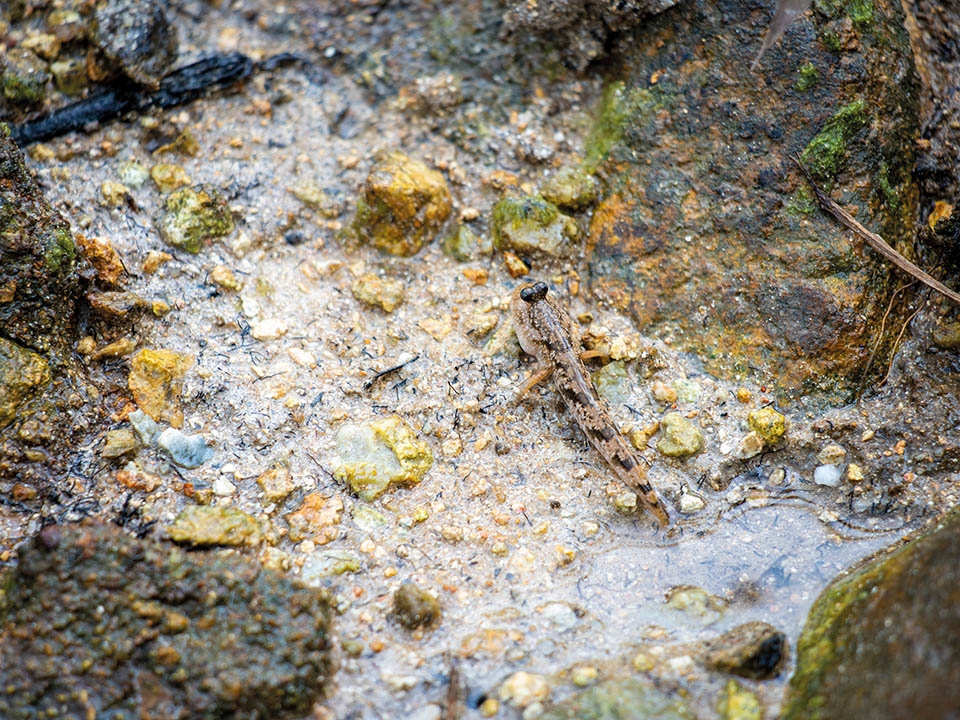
[117, 443]
[808, 76]
[24, 77]
[571, 187]
[678, 436]
[621, 699]
[194, 216]
[464, 245]
[612, 382]
[529, 225]
[738, 703]
[414, 607]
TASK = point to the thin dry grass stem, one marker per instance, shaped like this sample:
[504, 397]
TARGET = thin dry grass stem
[896, 343]
[874, 240]
[883, 324]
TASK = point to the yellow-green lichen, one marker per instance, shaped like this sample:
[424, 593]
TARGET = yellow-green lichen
[194, 216]
[618, 107]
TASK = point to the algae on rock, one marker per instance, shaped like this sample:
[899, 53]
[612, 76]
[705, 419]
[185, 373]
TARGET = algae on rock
[699, 238]
[402, 206]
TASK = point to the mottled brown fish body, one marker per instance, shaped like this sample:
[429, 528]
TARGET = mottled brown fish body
[546, 331]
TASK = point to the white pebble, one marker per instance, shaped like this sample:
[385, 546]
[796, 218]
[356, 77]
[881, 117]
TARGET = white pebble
[828, 475]
[223, 487]
[690, 503]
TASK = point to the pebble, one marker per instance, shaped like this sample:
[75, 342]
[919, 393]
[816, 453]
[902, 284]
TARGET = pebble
[414, 607]
[427, 712]
[302, 357]
[375, 291]
[854, 473]
[642, 662]
[682, 664]
[828, 475]
[326, 564]
[316, 518]
[223, 276]
[146, 427]
[625, 501]
[778, 476]
[118, 442]
[768, 423]
[750, 445]
[223, 487]
[678, 436]
[523, 689]
[268, 329]
[276, 483]
[114, 193]
[584, 675]
[489, 707]
[664, 393]
[831, 455]
[189, 451]
[690, 503]
[207, 525]
[559, 614]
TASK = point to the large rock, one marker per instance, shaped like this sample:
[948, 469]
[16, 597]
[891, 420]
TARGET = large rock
[883, 640]
[710, 236]
[100, 624]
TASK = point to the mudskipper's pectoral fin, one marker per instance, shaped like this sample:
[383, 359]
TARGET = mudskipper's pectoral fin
[541, 374]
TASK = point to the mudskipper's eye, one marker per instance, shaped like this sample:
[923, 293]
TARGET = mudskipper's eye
[534, 293]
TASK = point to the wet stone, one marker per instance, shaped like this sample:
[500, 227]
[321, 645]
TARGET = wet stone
[179, 635]
[168, 177]
[619, 699]
[117, 443]
[375, 291]
[137, 37]
[155, 382]
[193, 217]
[880, 640]
[828, 475]
[205, 525]
[24, 77]
[403, 205]
[528, 225]
[414, 607]
[276, 484]
[100, 253]
[146, 427]
[754, 650]
[328, 563]
[572, 188]
[317, 518]
[23, 374]
[612, 383]
[738, 703]
[189, 451]
[374, 455]
[679, 437]
[767, 423]
[523, 689]
[464, 245]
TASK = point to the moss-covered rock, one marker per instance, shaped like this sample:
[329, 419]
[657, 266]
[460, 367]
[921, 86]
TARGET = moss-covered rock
[463, 244]
[621, 699]
[193, 217]
[402, 206]
[414, 607]
[708, 233]
[23, 77]
[531, 224]
[23, 374]
[374, 455]
[881, 640]
[768, 424]
[103, 624]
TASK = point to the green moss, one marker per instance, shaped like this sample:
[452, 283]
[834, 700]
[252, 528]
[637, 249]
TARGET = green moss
[60, 252]
[802, 202]
[826, 151]
[808, 76]
[860, 11]
[194, 216]
[617, 108]
[885, 187]
[831, 40]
